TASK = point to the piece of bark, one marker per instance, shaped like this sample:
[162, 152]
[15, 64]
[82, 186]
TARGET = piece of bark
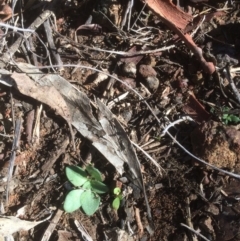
[177, 21]
[168, 12]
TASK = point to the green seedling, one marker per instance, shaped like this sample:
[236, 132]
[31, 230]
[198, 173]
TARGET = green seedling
[230, 118]
[88, 185]
[118, 197]
[227, 116]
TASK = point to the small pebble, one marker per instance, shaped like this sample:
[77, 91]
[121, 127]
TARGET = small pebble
[152, 82]
[129, 69]
[147, 70]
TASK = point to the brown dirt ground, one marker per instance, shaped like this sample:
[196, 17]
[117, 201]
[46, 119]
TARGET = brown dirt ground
[188, 192]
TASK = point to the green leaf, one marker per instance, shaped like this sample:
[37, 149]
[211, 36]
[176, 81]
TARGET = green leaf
[87, 185]
[116, 203]
[225, 116]
[90, 202]
[76, 175]
[235, 119]
[94, 172]
[116, 190]
[72, 201]
[98, 187]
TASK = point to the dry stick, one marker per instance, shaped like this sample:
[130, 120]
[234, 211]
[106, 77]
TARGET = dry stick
[12, 111]
[130, 54]
[139, 223]
[127, 13]
[130, 14]
[145, 102]
[16, 28]
[189, 221]
[194, 231]
[236, 93]
[122, 53]
[32, 47]
[149, 157]
[51, 227]
[36, 128]
[139, 16]
[222, 90]
[15, 144]
[7, 136]
[83, 231]
[52, 46]
[16, 45]
[25, 52]
[29, 125]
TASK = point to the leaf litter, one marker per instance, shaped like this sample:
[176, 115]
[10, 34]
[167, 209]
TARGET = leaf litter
[198, 85]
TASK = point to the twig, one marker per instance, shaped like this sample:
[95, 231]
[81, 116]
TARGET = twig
[51, 227]
[223, 93]
[128, 13]
[15, 46]
[12, 110]
[194, 231]
[15, 145]
[83, 231]
[116, 100]
[149, 157]
[139, 15]
[199, 25]
[227, 74]
[130, 54]
[36, 129]
[189, 221]
[32, 47]
[172, 124]
[5, 25]
[53, 49]
[139, 223]
[4, 135]
[29, 125]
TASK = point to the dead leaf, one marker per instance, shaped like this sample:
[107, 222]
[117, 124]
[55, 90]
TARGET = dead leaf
[169, 12]
[11, 224]
[195, 109]
[177, 21]
[44, 92]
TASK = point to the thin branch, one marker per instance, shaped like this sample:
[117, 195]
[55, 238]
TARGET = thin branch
[15, 146]
[227, 74]
[52, 46]
[149, 157]
[194, 231]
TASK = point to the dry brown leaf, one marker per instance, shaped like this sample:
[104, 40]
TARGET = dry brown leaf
[169, 12]
[195, 109]
[44, 93]
[177, 21]
[10, 225]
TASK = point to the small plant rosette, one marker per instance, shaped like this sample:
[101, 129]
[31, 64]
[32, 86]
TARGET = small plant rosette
[89, 184]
